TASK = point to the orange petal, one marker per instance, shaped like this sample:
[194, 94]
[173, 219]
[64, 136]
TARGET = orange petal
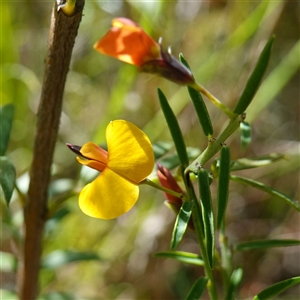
[127, 42]
[96, 157]
[130, 151]
[108, 196]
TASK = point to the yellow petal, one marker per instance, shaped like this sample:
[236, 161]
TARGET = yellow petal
[130, 151]
[108, 196]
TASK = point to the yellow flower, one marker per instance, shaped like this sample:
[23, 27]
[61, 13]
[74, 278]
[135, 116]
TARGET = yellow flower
[128, 161]
[128, 42]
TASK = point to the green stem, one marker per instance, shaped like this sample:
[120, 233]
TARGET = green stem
[214, 100]
[199, 229]
[214, 147]
[161, 188]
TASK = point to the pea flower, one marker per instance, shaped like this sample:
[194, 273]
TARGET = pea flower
[128, 42]
[128, 161]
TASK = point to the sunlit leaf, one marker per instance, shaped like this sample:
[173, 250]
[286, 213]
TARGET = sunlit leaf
[245, 134]
[197, 289]
[57, 296]
[185, 257]
[174, 129]
[260, 244]
[6, 119]
[248, 163]
[266, 189]
[275, 82]
[207, 215]
[7, 177]
[235, 280]
[172, 161]
[224, 175]
[181, 223]
[161, 148]
[61, 257]
[255, 78]
[277, 288]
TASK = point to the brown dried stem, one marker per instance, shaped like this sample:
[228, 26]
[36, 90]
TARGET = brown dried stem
[63, 31]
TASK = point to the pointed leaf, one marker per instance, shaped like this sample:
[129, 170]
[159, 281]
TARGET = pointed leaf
[174, 129]
[199, 105]
[245, 134]
[277, 288]
[185, 257]
[181, 223]
[234, 282]
[248, 163]
[261, 244]
[7, 177]
[6, 119]
[172, 161]
[201, 111]
[266, 189]
[161, 148]
[197, 289]
[58, 296]
[61, 257]
[255, 78]
[224, 175]
[207, 215]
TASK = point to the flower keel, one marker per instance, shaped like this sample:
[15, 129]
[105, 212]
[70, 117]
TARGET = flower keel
[128, 161]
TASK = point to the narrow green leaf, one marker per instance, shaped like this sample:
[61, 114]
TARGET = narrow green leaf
[61, 257]
[201, 111]
[6, 119]
[272, 85]
[197, 289]
[174, 129]
[7, 177]
[266, 189]
[161, 148]
[277, 288]
[172, 161]
[255, 79]
[261, 244]
[249, 163]
[185, 257]
[234, 282]
[57, 296]
[181, 223]
[245, 134]
[223, 186]
[207, 215]
[199, 105]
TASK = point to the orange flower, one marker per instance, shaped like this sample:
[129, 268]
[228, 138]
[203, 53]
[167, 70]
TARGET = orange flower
[128, 42]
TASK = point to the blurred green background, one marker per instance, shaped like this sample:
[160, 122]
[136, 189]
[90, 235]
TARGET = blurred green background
[221, 40]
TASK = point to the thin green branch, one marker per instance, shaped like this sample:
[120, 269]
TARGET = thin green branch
[214, 100]
[161, 188]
